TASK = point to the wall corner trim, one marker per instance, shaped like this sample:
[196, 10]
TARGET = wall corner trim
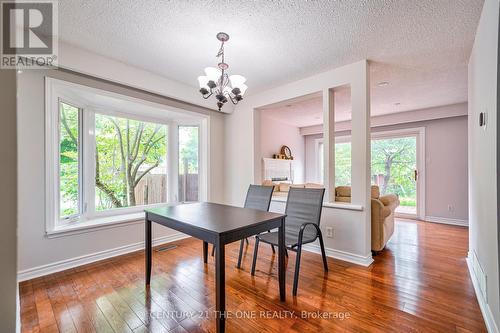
[489, 320]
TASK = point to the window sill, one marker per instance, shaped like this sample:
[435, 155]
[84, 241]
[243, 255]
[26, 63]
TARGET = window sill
[337, 205]
[96, 224]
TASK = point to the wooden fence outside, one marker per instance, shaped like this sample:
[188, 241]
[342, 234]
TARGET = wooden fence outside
[153, 189]
[191, 185]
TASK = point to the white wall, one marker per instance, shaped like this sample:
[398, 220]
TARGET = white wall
[446, 170]
[275, 134]
[483, 168]
[39, 254]
[8, 198]
[86, 62]
[311, 159]
[243, 133]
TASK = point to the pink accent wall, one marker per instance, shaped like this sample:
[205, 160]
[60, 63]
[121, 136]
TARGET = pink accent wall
[275, 134]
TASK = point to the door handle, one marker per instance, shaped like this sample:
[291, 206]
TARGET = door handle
[415, 175]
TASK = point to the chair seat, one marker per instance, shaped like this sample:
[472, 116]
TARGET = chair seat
[291, 239]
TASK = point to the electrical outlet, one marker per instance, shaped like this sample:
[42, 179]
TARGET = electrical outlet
[451, 208]
[329, 232]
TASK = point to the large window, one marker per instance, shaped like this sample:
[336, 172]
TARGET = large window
[109, 159]
[130, 162]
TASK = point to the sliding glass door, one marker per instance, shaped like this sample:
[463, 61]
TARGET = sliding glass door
[394, 170]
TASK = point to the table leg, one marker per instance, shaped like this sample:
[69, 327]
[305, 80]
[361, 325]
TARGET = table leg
[281, 259]
[148, 250]
[220, 287]
[205, 252]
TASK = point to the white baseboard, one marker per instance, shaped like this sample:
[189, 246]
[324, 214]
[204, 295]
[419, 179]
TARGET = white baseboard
[491, 326]
[341, 255]
[38, 271]
[446, 220]
[62, 265]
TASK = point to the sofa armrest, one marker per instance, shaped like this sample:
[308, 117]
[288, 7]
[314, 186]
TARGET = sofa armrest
[389, 199]
[379, 210]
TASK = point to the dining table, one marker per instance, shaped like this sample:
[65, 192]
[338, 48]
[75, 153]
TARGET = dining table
[219, 225]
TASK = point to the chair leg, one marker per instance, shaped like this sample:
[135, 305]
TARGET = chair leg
[246, 240]
[322, 245]
[242, 243]
[297, 268]
[286, 252]
[255, 250]
[213, 250]
[272, 246]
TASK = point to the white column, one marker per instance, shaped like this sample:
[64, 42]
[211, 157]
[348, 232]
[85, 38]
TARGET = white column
[360, 137]
[329, 144]
[360, 146]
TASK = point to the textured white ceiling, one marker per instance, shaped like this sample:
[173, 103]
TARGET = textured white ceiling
[420, 46]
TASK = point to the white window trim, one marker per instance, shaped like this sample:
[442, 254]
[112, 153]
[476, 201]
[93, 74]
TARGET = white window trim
[58, 90]
[317, 166]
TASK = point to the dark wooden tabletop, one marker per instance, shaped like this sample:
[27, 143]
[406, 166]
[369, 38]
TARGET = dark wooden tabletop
[214, 218]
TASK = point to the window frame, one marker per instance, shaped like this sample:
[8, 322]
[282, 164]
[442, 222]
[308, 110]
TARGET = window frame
[317, 143]
[81, 129]
[57, 91]
[199, 158]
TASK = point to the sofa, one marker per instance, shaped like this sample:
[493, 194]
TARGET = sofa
[382, 215]
[382, 208]
[281, 188]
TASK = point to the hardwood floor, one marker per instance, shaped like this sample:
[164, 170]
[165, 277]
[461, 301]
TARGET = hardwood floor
[420, 283]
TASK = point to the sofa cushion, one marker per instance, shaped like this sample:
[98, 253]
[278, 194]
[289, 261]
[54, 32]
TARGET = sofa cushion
[343, 191]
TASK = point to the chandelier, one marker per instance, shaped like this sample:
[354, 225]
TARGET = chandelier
[216, 81]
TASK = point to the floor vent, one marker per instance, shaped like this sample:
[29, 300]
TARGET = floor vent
[165, 248]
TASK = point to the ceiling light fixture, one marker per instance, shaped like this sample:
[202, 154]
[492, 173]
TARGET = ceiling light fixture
[383, 84]
[216, 81]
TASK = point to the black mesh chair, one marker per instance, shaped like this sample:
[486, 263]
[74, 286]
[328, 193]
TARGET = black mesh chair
[303, 214]
[258, 197]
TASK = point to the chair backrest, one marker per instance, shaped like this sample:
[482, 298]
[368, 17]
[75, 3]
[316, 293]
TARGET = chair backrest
[303, 205]
[259, 197]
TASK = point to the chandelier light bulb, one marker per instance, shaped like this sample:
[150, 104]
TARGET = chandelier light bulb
[213, 74]
[203, 82]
